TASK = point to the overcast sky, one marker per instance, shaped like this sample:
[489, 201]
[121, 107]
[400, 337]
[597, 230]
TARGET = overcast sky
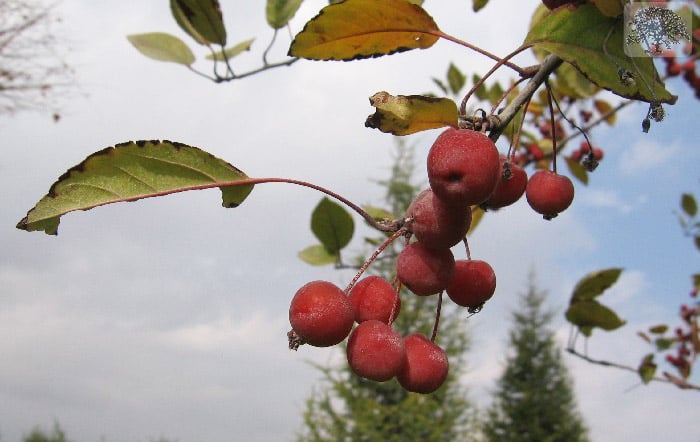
[167, 317]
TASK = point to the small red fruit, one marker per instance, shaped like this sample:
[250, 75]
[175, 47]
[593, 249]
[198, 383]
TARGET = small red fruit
[549, 193]
[424, 270]
[473, 283]
[375, 351]
[321, 314]
[374, 297]
[435, 223]
[426, 366]
[463, 167]
[509, 190]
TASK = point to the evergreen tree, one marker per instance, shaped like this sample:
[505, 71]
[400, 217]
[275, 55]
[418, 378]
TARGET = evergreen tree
[346, 407]
[534, 399]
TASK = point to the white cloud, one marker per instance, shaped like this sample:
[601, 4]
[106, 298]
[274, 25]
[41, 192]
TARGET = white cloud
[646, 155]
[610, 199]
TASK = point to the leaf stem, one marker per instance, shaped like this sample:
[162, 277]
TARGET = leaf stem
[468, 45]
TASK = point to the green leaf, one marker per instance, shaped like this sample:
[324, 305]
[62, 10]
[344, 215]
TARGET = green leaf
[644, 336]
[317, 255]
[658, 329]
[378, 213]
[229, 53]
[663, 344]
[689, 205]
[590, 314]
[332, 225]
[441, 85]
[162, 47]
[184, 24]
[647, 368]
[131, 171]
[201, 19]
[594, 284]
[356, 29]
[279, 12]
[407, 114]
[583, 36]
[577, 170]
[455, 78]
[570, 82]
[478, 4]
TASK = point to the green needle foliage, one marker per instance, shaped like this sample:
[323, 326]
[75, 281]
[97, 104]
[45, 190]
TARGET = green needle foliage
[346, 407]
[534, 400]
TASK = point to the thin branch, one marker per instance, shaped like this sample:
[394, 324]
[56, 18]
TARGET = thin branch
[549, 65]
[669, 379]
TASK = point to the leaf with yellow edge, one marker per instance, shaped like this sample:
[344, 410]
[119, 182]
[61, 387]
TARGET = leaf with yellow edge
[605, 108]
[132, 171]
[593, 44]
[356, 29]
[407, 114]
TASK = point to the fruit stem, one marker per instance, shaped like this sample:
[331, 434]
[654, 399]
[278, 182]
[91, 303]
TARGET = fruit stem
[553, 125]
[466, 246]
[437, 318]
[478, 84]
[374, 256]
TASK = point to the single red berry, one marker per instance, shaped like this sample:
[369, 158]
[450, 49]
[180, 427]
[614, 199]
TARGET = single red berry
[321, 314]
[436, 223]
[374, 297]
[508, 190]
[576, 155]
[473, 283]
[463, 167]
[426, 366]
[673, 69]
[424, 270]
[535, 151]
[375, 351]
[598, 153]
[549, 193]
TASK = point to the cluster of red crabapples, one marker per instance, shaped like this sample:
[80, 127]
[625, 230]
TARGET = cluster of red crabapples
[465, 169]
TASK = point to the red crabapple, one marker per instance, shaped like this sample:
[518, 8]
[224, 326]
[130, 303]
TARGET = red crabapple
[549, 193]
[435, 223]
[374, 297]
[425, 271]
[320, 314]
[508, 190]
[375, 351]
[463, 167]
[473, 283]
[426, 365]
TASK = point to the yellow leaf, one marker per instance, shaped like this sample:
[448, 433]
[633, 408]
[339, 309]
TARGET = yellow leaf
[356, 29]
[603, 107]
[406, 114]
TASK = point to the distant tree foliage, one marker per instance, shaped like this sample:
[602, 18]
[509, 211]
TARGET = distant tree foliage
[346, 407]
[38, 435]
[32, 71]
[534, 400]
